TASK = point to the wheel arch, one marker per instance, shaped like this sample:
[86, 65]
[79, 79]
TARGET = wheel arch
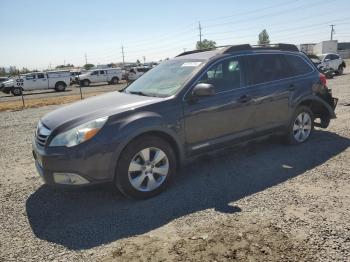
[58, 82]
[319, 108]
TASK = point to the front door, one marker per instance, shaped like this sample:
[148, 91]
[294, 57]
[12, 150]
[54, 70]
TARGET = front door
[224, 116]
[41, 81]
[29, 82]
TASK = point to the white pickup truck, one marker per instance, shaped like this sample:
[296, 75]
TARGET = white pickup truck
[58, 80]
[110, 75]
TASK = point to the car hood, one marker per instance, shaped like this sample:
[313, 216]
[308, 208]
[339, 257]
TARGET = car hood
[83, 75]
[96, 107]
[8, 82]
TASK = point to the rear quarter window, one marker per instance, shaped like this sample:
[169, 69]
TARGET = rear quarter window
[297, 65]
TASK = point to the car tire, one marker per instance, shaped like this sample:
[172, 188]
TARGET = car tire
[16, 91]
[340, 70]
[145, 167]
[301, 126]
[115, 81]
[60, 87]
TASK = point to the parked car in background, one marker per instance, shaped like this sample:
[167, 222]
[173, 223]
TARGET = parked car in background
[74, 76]
[57, 80]
[110, 75]
[194, 103]
[135, 72]
[333, 61]
[324, 69]
[3, 79]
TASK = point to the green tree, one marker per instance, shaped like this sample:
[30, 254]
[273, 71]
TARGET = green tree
[2, 71]
[264, 38]
[13, 71]
[24, 70]
[205, 44]
[88, 66]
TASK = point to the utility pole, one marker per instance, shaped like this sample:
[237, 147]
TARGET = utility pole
[332, 31]
[200, 32]
[85, 59]
[144, 59]
[123, 56]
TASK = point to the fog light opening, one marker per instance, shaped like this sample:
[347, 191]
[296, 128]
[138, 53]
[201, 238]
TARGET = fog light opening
[69, 179]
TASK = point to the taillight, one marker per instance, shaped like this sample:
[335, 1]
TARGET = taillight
[323, 79]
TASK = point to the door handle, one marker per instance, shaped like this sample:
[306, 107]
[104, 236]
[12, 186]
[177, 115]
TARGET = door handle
[244, 99]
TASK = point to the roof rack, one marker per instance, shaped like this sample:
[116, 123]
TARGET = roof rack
[195, 51]
[246, 47]
[280, 46]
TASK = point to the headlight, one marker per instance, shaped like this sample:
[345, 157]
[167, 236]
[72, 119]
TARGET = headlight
[79, 134]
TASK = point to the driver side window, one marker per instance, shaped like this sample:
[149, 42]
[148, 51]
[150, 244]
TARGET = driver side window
[224, 76]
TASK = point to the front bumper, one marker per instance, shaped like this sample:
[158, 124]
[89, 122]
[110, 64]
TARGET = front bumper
[72, 166]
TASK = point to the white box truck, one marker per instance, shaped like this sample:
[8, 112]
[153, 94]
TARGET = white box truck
[57, 80]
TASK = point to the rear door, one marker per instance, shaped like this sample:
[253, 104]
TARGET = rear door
[224, 116]
[267, 77]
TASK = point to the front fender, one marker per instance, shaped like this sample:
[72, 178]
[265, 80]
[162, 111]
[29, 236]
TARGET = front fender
[131, 127]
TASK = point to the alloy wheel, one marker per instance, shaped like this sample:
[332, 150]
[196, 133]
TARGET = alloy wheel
[148, 169]
[302, 127]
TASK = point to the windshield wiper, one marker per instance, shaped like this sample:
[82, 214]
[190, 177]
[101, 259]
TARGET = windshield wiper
[140, 93]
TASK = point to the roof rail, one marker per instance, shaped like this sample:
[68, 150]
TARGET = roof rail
[246, 47]
[195, 51]
[279, 46]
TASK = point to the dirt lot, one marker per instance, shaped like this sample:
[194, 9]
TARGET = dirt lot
[39, 98]
[267, 202]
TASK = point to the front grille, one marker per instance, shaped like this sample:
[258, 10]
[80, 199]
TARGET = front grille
[41, 134]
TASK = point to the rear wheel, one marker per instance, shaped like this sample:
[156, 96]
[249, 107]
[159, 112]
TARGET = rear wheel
[114, 81]
[16, 91]
[301, 126]
[145, 167]
[60, 87]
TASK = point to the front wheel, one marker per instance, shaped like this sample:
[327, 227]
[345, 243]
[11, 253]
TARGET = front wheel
[145, 167]
[16, 91]
[301, 126]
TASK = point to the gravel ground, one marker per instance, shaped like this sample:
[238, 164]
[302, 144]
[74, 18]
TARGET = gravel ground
[264, 202]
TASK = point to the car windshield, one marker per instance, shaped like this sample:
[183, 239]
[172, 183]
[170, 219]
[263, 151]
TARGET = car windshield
[165, 79]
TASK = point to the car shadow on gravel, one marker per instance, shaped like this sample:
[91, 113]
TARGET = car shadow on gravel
[89, 217]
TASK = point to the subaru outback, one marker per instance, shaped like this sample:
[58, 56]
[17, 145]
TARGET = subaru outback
[201, 100]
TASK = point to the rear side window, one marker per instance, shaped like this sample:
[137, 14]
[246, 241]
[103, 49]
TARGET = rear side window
[265, 68]
[41, 76]
[298, 66]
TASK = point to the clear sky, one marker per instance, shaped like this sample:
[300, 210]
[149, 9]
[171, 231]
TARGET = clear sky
[37, 33]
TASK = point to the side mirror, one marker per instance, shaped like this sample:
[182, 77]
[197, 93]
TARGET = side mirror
[203, 89]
